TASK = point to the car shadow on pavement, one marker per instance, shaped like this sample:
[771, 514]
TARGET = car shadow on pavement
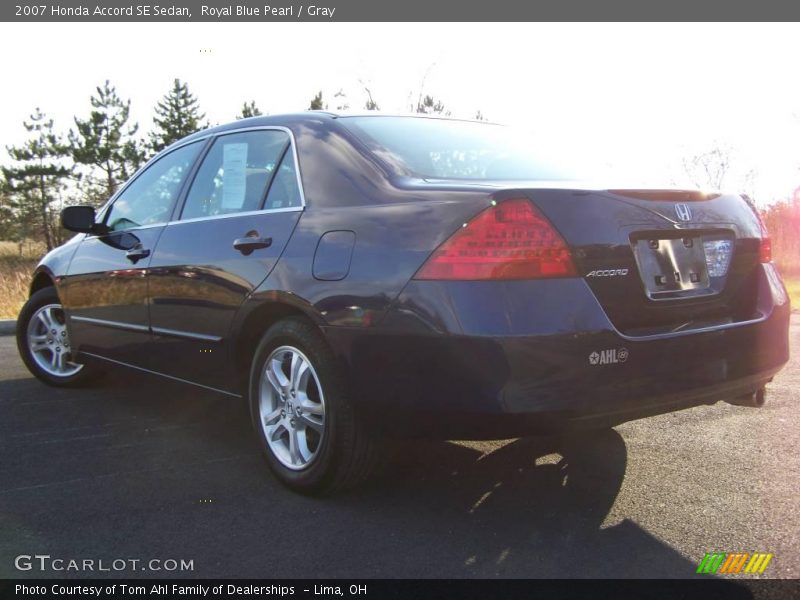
[531, 507]
[134, 445]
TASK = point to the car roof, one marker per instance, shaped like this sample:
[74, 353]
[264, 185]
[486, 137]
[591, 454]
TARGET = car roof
[309, 116]
[262, 121]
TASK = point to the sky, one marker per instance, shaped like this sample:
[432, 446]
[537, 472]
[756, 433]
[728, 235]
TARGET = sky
[636, 97]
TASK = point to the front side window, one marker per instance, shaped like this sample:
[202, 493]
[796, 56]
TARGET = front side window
[148, 200]
[236, 174]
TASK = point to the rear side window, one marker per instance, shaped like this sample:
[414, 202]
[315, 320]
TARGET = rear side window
[448, 149]
[235, 174]
[284, 191]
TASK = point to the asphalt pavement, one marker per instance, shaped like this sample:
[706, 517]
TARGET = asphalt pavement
[141, 468]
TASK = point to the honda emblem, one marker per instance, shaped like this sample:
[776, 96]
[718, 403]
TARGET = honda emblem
[684, 212]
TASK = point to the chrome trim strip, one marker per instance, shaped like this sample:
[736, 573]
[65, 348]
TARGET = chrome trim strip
[674, 334]
[239, 214]
[124, 364]
[185, 334]
[710, 329]
[145, 329]
[112, 324]
[137, 228]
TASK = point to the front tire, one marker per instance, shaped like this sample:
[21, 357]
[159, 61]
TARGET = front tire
[309, 432]
[43, 341]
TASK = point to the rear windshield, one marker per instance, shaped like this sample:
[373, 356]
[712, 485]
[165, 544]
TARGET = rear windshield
[445, 149]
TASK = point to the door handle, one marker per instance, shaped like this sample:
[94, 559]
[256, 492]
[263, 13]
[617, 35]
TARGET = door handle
[247, 244]
[136, 254]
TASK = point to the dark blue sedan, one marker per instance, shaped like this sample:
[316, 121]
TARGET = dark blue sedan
[360, 278]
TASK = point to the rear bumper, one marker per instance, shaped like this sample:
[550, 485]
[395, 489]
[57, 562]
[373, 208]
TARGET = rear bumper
[578, 371]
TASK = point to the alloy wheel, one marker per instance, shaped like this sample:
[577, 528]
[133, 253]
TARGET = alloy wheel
[291, 408]
[48, 342]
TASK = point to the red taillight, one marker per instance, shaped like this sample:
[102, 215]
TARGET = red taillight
[765, 250]
[511, 240]
[765, 246]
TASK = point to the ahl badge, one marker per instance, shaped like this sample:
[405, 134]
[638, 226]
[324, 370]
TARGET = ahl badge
[608, 357]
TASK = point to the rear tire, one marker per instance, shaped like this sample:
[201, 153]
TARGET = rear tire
[306, 424]
[44, 345]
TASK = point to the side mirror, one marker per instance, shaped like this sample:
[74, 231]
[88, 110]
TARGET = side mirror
[78, 218]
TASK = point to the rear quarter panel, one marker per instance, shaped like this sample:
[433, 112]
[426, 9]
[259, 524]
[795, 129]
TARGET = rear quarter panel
[395, 229]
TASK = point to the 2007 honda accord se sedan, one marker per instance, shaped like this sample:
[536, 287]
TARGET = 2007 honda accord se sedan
[361, 278]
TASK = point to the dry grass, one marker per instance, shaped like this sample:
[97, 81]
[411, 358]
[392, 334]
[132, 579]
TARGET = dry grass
[793, 287]
[15, 275]
[26, 250]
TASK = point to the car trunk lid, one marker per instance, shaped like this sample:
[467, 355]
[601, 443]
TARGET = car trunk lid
[659, 260]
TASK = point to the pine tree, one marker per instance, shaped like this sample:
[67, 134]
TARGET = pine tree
[342, 102]
[9, 225]
[35, 181]
[105, 143]
[316, 102]
[370, 104]
[249, 109]
[430, 106]
[177, 115]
